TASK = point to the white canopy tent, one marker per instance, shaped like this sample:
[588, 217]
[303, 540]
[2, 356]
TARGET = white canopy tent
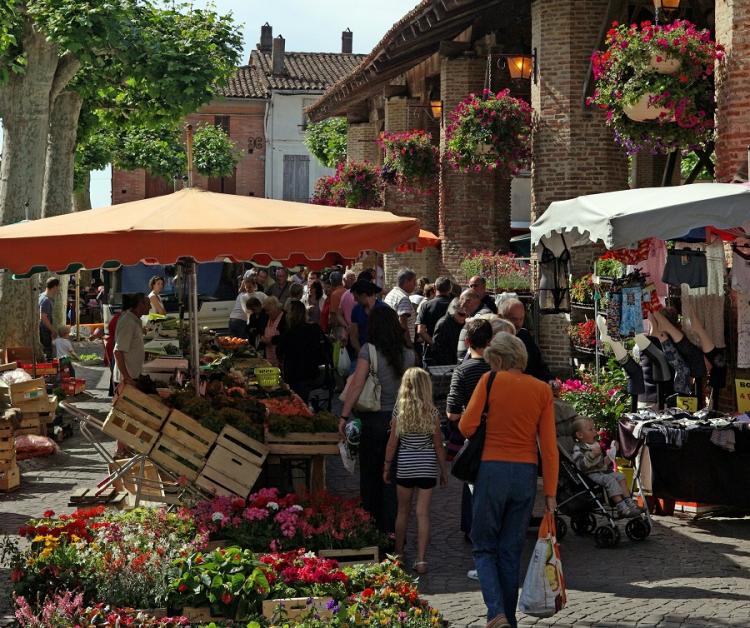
[620, 219]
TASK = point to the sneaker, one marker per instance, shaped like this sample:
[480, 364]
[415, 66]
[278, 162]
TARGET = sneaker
[631, 502]
[628, 511]
[472, 574]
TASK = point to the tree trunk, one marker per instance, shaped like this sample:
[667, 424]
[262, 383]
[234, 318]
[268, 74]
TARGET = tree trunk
[82, 197]
[61, 146]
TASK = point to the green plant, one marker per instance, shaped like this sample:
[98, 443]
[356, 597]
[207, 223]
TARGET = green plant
[582, 290]
[501, 271]
[410, 158]
[229, 580]
[609, 268]
[355, 184]
[492, 132]
[326, 141]
[215, 155]
[604, 402]
[628, 72]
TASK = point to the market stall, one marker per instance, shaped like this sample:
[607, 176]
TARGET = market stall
[675, 262]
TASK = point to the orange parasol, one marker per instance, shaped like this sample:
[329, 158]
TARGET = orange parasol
[425, 240]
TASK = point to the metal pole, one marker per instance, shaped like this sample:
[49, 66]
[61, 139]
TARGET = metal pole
[194, 330]
[597, 339]
[189, 150]
[78, 305]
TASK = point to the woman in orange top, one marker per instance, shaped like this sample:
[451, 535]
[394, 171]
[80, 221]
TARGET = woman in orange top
[520, 410]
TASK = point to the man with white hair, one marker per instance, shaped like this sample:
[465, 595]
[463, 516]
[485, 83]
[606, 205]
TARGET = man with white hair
[398, 300]
[515, 312]
[347, 299]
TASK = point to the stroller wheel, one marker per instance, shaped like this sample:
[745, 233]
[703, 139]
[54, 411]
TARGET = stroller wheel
[584, 523]
[562, 527]
[637, 529]
[606, 536]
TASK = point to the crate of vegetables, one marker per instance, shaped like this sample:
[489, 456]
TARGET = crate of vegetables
[303, 436]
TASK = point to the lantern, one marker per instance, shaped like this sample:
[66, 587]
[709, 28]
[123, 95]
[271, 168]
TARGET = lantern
[667, 5]
[520, 66]
[436, 106]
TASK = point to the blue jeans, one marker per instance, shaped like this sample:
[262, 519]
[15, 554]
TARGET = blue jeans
[503, 499]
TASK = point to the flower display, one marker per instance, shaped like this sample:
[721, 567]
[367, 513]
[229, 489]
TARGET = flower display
[583, 335]
[502, 271]
[582, 290]
[355, 184]
[411, 159]
[490, 132]
[656, 85]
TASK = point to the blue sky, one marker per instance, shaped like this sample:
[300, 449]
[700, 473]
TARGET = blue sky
[307, 26]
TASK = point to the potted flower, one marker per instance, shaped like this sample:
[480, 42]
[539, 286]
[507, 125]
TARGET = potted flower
[490, 132]
[411, 159]
[582, 291]
[656, 85]
[358, 184]
[504, 272]
[583, 336]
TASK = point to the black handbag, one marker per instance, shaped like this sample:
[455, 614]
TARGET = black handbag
[467, 460]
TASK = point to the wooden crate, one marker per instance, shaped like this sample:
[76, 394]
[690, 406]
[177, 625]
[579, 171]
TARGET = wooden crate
[130, 431]
[29, 396]
[19, 354]
[227, 473]
[304, 444]
[242, 445]
[295, 607]
[145, 409]
[175, 457]
[349, 557]
[188, 432]
[10, 479]
[7, 441]
[128, 482]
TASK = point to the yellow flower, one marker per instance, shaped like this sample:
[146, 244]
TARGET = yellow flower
[37, 539]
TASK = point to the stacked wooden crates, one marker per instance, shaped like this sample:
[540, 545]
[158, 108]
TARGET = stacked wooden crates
[135, 420]
[10, 476]
[36, 407]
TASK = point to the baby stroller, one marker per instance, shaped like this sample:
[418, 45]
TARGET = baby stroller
[583, 501]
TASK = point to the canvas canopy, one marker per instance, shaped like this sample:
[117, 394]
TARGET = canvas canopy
[620, 219]
[204, 226]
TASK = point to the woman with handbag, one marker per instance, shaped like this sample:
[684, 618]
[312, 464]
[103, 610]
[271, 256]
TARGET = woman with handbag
[512, 412]
[371, 392]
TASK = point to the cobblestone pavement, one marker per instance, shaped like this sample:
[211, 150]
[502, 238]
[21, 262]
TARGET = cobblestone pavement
[690, 572]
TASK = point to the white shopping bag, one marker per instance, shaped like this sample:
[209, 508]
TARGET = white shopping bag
[543, 593]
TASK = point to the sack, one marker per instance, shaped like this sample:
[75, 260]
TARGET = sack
[344, 363]
[467, 460]
[543, 593]
[369, 398]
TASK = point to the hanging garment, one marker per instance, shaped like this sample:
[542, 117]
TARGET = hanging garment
[741, 269]
[651, 301]
[554, 288]
[653, 266]
[630, 256]
[707, 304]
[679, 366]
[631, 318]
[743, 330]
[686, 266]
[614, 313]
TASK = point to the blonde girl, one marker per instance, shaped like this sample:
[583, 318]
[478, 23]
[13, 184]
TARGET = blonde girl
[415, 432]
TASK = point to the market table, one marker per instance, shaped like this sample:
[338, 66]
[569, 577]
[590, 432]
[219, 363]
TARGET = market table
[700, 471]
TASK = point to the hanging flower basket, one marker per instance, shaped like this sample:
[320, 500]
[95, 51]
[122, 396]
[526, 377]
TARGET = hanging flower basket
[355, 184]
[490, 132]
[656, 85]
[583, 336]
[411, 159]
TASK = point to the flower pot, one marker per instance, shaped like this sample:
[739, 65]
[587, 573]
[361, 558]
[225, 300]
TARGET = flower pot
[667, 65]
[642, 111]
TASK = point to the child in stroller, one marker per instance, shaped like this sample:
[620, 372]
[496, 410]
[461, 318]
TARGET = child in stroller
[590, 460]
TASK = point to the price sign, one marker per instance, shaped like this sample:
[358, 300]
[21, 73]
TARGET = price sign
[742, 387]
[689, 404]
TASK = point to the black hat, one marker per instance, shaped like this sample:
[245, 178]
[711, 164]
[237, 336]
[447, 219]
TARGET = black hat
[362, 286]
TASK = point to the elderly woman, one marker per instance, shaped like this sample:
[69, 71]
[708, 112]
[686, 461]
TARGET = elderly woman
[275, 326]
[520, 410]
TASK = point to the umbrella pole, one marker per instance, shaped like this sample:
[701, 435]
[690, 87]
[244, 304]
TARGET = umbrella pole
[78, 305]
[597, 336]
[194, 330]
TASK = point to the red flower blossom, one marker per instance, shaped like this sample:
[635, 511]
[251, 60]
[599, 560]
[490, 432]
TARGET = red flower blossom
[48, 514]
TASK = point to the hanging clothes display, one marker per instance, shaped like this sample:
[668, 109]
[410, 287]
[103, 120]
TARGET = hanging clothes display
[631, 318]
[614, 313]
[653, 266]
[707, 304]
[686, 266]
[554, 278]
[741, 266]
[679, 367]
[743, 330]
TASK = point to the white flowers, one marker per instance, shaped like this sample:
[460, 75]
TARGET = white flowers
[296, 507]
[272, 506]
[217, 517]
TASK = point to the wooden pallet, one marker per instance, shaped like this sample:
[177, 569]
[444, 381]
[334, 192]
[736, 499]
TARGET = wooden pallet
[295, 607]
[130, 432]
[151, 483]
[227, 473]
[349, 557]
[303, 444]
[242, 445]
[10, 478]
[188, 432]
[175, 457]
[88, 496]
[142, 407]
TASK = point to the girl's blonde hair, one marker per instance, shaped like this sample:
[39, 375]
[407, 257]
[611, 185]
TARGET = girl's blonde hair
[415, 410]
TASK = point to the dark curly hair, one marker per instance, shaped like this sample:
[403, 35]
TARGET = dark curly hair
[385, 333]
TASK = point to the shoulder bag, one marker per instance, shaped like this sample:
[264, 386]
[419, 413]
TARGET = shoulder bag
[369, 398]
[467, 460]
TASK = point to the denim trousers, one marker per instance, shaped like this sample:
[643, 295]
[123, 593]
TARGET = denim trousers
[378, 498]
[503, 499]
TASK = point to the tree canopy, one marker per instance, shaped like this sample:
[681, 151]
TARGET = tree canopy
[326, 140]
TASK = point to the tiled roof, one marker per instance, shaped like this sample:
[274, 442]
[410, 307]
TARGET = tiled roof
[303, 71]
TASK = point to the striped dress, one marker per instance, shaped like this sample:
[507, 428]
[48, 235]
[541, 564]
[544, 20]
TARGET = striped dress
[416, 456]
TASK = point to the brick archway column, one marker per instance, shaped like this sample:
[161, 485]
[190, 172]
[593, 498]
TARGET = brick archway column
[574, 153]
[474, 207]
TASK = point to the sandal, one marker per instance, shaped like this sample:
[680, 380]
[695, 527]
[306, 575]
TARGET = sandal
[420, 566]
[498, 622]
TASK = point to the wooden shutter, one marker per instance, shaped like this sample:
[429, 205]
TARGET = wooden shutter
[296, 178]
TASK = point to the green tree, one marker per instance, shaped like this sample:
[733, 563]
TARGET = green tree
[326, 140]
[214, 154]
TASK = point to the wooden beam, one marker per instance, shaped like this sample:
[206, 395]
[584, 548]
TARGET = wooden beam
[448, 48]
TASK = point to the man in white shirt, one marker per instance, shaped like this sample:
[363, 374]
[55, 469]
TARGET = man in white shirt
[398, 300]
[129, 351]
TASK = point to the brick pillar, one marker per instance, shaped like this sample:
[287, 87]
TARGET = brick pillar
[128, 185]
[732, 88]
[421, 204]
[474, 207]
[361, 142]
[648, 170]
[574, 152]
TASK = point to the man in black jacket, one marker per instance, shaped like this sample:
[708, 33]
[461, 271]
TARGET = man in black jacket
[515, 312]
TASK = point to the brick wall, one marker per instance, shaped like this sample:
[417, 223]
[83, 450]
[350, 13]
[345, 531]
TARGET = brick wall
[733, 87]
[128, 186]
[361, 142]
[574, 153]
[474, 208]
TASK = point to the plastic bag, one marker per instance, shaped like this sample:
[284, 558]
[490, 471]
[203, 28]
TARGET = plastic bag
[543, 593]
[15, 377]
[33, 446]
[350, 461]
[344, 363]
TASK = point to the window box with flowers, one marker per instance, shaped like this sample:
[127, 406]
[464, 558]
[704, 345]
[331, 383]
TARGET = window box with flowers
[656, 85]
[411, 159]
[490, 132]
[503, 272]
[583, 336]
